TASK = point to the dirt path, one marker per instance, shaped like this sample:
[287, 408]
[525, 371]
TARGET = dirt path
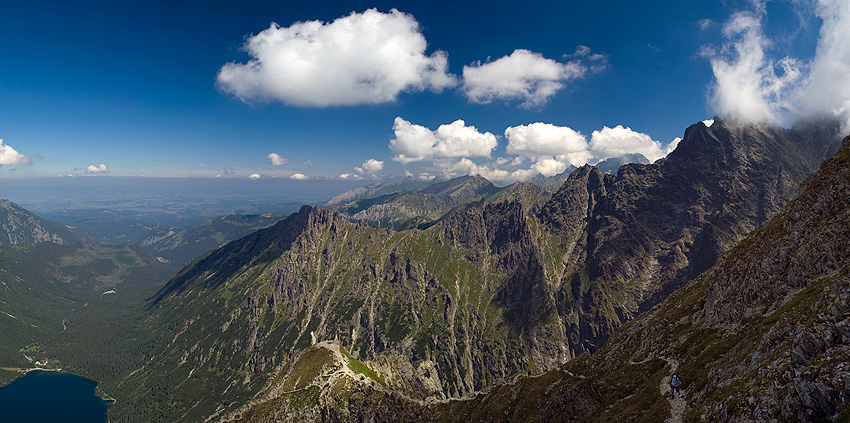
[678, 405]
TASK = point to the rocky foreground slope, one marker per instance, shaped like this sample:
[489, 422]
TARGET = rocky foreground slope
[764, 335]
[488, 292]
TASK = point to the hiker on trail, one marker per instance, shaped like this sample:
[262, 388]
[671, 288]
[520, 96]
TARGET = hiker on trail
[674, 386]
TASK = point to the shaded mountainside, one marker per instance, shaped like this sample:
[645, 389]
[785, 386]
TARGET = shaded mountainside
[70, 304]
[180, 245]
[628, 241]
[18, 225]
[490, 291]
[404, 210]
[764, 335]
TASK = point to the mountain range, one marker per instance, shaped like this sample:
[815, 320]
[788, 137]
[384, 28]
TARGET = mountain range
[764, 335]
[462, 301]
[490, 291]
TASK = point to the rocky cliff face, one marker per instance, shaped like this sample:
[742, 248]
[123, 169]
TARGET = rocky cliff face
[629, 241]
[18, 225]
[764, 335]
[488, 292]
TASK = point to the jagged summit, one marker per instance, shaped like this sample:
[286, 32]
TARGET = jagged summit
[259, 247]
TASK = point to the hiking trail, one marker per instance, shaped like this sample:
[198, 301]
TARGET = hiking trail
[678, 405]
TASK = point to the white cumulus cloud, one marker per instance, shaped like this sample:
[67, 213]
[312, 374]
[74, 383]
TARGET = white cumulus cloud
[299, 176]
[373, 165]
[11, 157]
[524, 75]
[101, 168]
[276, 159]
[617, 141]
[369, 168]
[544, 139]
[255, 176]
[415, 142]
[362, 58]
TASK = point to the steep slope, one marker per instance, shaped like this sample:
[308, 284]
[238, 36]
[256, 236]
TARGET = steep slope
[180, 245]
[488, 292]
[18, 225]
[459, 296]
[628, 241]
[764, 335]
[405, 210]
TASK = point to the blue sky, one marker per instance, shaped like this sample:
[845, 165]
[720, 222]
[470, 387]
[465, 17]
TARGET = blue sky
[165, 88]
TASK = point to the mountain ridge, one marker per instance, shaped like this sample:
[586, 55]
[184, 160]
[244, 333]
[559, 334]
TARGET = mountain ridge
[764, 335]
[491, 291]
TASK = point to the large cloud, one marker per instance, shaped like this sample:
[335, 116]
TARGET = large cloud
[524, 75]
[415, 142]
[617, 141]
[544, 139]
[754, 87]
[11, 157]
[367, 57]
[746, 84]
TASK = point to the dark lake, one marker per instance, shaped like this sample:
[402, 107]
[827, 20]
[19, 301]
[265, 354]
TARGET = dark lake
[51, 397]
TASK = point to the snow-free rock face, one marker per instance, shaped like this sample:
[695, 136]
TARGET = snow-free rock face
[18, 225]
[762, 336]
[485, 293]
